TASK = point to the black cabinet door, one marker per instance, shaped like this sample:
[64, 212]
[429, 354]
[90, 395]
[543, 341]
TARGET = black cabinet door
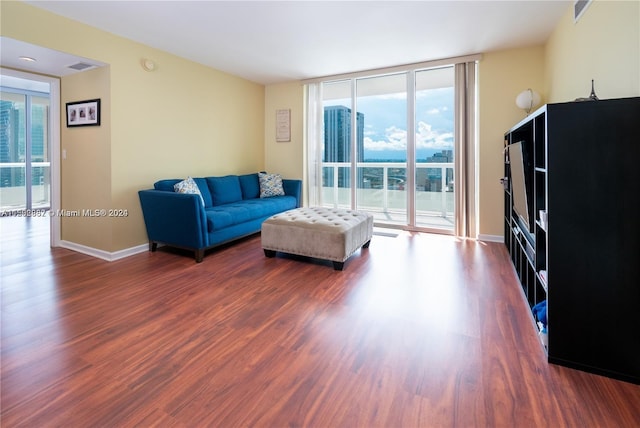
[593, 193]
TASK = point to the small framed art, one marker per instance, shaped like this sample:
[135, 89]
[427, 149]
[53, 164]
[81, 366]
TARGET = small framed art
[283, 125]
[83, 113]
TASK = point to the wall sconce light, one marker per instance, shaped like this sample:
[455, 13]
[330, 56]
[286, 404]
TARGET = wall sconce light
[147, 64]
[527, 100]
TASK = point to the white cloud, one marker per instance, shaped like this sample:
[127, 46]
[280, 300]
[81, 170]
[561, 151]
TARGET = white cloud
[396, 139]
[427, 138]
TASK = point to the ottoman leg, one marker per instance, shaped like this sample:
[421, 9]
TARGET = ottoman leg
[338, 265]
[366, 244]
[269, 253]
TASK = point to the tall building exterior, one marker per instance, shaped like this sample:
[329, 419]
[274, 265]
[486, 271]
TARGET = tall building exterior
[13, 146]
[10, 148]
[430, 179]
[337, 141]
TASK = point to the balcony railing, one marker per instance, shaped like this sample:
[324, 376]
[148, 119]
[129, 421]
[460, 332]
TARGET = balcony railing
[381, 190]
[13, 191]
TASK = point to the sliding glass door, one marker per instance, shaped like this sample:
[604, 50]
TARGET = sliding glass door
[381, 104]
[434, 140]
[337, 147]
[24, 150]
[371, 162]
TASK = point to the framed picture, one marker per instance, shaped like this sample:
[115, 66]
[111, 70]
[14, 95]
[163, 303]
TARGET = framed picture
[283, 125]
[83, 113]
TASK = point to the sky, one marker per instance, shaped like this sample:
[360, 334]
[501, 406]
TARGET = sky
[385, 124]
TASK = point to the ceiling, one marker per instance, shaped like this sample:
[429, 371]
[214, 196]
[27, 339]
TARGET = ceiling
[278, 41]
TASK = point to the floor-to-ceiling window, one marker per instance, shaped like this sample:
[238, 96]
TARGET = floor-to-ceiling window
[382, 166]
[434, 148]
[390, 144]
[337, 144]
[371, 162]
[24, 149]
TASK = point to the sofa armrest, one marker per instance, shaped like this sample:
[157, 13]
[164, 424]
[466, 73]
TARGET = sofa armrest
[172, 218]
[293, 187]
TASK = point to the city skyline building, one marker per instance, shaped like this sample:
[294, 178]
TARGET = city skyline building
[337, 141]
[13, 146]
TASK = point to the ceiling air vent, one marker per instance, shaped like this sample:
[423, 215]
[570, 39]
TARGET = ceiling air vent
[81, 66]
[579, 6]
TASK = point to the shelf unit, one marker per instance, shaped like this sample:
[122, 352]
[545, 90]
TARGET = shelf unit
[528, 255]
[584, 257]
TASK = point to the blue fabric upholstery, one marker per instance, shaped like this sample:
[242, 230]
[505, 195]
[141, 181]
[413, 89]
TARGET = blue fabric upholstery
[167, 186]
[204, 191]
[180, 220]
[225, 190]
[219, 217]
[250, 185]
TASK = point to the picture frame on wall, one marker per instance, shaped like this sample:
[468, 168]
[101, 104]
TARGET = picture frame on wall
[283, 125]
[83, 113]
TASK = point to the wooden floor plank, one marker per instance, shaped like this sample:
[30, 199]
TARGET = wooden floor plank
[418, 330]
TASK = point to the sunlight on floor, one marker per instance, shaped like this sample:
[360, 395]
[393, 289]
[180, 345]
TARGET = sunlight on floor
[419, 291]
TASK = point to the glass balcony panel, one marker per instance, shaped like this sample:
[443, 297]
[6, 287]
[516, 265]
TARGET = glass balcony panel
[13, 190]
[434, 191]
[382, 147]
[41, 186]
[336, 151]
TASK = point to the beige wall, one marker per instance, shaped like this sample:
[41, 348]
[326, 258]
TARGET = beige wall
[284, 158]
[502, 76]
[603, 45]
[182, 119]
[85, 173]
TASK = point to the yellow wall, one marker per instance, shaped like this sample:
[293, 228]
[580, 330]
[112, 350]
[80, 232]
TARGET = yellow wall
[284, 158]
[502, 76]
[603, 45]
[85, 173]
[182, 119]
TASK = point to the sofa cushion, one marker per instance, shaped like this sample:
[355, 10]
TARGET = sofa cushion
[204, 191]
[168, 186]
[188, 186]
[224, 190]
[250, 185]
[270, 185]
[221, 216]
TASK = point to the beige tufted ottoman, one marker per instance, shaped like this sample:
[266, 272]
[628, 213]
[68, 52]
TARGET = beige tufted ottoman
[323, 233]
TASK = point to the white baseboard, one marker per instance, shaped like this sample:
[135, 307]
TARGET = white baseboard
[104, 255]
[491, 238]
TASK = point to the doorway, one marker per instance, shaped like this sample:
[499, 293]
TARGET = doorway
[30, 147]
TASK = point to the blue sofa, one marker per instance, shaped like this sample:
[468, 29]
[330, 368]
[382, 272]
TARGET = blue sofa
[230, 208]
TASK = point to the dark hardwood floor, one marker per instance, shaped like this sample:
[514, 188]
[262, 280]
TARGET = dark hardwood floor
[417, 331]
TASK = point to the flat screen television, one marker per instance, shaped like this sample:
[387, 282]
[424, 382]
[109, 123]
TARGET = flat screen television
[521, 186]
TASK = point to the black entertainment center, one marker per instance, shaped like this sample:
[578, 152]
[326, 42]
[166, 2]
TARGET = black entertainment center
[572, 229]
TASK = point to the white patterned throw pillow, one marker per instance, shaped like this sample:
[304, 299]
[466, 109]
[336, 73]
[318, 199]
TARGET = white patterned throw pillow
[270, 185]
[188, 186]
